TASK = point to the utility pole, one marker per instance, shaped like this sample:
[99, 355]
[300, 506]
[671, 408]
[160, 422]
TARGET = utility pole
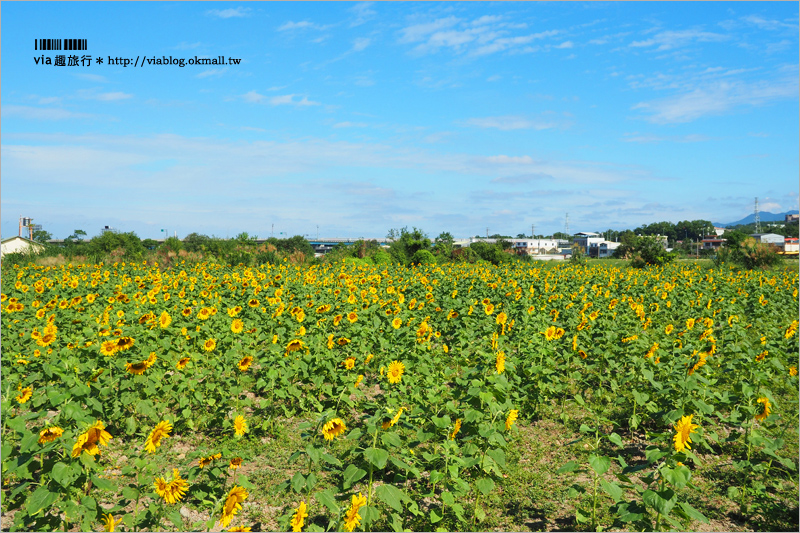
[532, 233]
[317, 231]
[566, 225]
[757, 218]
[272, 233]
[487, 233]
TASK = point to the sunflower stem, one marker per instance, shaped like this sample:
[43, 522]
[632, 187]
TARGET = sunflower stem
[371, 469]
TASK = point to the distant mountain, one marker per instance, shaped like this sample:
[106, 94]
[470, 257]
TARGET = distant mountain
[765, 216]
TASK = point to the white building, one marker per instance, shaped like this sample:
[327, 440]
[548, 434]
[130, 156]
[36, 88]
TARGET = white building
[769, 238]
[19, 244]
[585, 239]
[535, 246]
[606, 249]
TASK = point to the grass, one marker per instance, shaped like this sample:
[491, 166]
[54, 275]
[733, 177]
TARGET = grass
[533, 497]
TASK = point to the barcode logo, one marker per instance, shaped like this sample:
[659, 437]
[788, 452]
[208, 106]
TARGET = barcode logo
[59, 44]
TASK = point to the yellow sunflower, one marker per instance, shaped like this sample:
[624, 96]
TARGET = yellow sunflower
[397, 322]
[299, 516]
[235, 463]
[25, 394]
[333, 428]
[237, 326]
[181, 364]
[351, 518]
[349, 363]
[240, 426]
[683, 430]
[164, 320]
[209, 345]
[50, 434]
[512, 417]
[110, 523]
[500, 362]
[161, 431]
[456, 429]
[395, 371]
[767, 409]
[88, 442]
[245, 363]
[173, 491]
[233, 504]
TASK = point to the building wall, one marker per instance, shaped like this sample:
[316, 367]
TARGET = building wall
[18, 244]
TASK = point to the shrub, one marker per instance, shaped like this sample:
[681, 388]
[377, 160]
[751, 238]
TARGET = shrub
[423, 257]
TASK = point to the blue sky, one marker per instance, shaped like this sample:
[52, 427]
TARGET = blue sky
[361, 117]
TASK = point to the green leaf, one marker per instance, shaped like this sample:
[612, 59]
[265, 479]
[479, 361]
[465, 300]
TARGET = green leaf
[298, 482]
[62, 474]
[441, 423]
[103, 484]
[571, 466]
[391, 495]
[377, 456]
[313, 453]
[653, 454]
[613, 490]
[677, 477]
[703, 406]
[435, 517]
[498, 455]
[176, 518]
[41, 499]
[448, 498]
[328, 458]
[352, 474]
[661, 501]
[327, 499]
[397, 520]
[693, 513]
[615, 439]
[485, 485]
[599, 463]
[391, 439]
[29, 443]
[130, 493]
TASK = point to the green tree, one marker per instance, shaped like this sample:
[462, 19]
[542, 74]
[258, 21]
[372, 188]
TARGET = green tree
[42, 236]
[195, 242]
[406, 243]
[173, 244]
[423, 257]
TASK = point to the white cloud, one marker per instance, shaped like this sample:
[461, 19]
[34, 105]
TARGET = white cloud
[767, 24]
[252, 97]
[667, 40]
[717, 98]
[363, 12]
[91, 77]
[418, 32]
[214, 72]
[183, 45]
[105, 97]
[229, 13]
[510, 122]
[288, 99]
[350, 125]
[40, 113]
[565, 44]
[302, 25]
[50, 100]
[644, 138]
[360, 44]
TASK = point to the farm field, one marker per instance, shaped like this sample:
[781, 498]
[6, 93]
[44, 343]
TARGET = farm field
[350, 397]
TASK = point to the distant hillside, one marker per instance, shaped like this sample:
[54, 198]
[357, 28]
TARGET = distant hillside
[765, 216]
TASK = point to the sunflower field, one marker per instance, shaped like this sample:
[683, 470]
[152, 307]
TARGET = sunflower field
[390, 398]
